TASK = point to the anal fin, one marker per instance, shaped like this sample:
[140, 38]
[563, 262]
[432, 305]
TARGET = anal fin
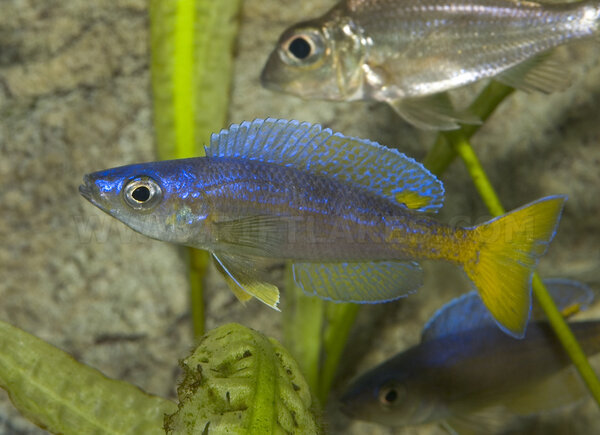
[243, 275]
[367, 283]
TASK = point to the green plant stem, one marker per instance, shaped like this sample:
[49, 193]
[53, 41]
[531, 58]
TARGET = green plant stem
[340, 318]
[302, 328]
[198, 261]
[192, 54]
[442, 154]
[463, 148]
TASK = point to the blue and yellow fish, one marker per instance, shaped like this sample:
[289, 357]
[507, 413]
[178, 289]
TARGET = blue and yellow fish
[349, 213]
[465, 370]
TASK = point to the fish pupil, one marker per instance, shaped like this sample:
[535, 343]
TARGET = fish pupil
[300, 47]
[391, 396]
[141, 194]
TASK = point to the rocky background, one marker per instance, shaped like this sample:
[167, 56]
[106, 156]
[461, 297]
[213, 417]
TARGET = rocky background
[75, 97]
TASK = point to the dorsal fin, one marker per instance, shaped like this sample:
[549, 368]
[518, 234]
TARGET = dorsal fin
[309, 147]
[463, 313]
[569, 296]
[467, 312]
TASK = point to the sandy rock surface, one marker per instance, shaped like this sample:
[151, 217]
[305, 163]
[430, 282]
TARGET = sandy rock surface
[75, 97]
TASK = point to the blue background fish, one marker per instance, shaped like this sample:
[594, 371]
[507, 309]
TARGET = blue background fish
[464, 370]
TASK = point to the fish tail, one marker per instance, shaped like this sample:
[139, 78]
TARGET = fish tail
[507, 251]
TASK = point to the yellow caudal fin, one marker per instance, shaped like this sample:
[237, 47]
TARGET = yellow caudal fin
[509, 248]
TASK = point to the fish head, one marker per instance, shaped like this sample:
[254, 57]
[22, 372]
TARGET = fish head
[318, 59]
[387, 395]
[161, 200]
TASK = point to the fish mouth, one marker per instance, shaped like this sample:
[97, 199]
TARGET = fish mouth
[86, 188]
[90, 191]
[267, 79]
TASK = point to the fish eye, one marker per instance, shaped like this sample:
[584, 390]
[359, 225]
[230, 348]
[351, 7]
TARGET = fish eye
[390, 394]
[303, 48]
[142, 193]
[299, 47]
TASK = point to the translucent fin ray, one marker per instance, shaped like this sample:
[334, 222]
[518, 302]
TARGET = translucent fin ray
[434, 112]
[309, 147]
[359, 282]
[536, 75]
[262, 233]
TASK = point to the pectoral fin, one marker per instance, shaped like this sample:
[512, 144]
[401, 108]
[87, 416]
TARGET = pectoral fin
[260, 233]
[558, 390]
[491, 420]
[368, 283]
[434, 112]
[243, 274]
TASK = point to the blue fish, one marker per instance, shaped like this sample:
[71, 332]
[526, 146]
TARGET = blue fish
[349, 213]
[465, 367]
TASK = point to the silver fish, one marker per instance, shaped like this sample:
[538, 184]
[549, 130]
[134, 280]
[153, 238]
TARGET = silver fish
[464, 369]
[409, 52]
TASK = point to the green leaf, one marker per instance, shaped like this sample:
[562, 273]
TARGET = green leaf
[192, 43]
[62, 395]
[239, 381]
[302, 329]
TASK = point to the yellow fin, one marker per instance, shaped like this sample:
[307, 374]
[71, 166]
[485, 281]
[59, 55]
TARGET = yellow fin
[238, 291]
[242, 276]
[411, 199]
[509, 248]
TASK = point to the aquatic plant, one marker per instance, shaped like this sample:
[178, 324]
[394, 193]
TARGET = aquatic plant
[236, 380]
[239, 381]
[191, 76]
[62, 395]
